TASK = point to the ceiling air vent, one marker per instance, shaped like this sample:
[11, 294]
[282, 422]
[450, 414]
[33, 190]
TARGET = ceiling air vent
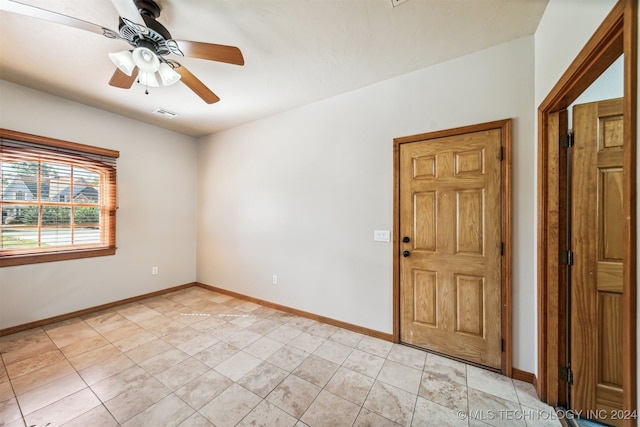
[166, 113]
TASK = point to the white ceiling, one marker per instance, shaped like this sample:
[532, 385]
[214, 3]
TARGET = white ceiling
[296, 51]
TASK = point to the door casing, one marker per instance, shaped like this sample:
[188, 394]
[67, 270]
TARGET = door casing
[616, 36]
[505, 127]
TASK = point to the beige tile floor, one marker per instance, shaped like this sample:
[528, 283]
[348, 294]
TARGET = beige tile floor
[199, 358]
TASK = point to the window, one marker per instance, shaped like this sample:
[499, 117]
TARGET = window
[58, 199]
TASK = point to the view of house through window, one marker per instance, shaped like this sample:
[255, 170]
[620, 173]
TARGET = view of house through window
[56, 201]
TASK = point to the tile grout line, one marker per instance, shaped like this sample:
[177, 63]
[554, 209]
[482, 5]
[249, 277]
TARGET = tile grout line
[15, 395]
[102, 404]
[194, 299]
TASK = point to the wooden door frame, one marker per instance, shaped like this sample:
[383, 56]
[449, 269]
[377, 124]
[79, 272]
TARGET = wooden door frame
[616, 35]
[506, 323]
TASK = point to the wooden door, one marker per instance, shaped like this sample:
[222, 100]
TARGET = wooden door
[450, 212]
[596, 288]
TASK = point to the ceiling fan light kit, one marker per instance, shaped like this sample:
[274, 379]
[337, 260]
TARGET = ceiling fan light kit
[124, 61]
[145, 59]
[151, 42]
[167, 75]
[148, 79]
[148, 64]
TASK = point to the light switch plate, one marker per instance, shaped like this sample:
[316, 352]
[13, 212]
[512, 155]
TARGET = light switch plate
[381, 235]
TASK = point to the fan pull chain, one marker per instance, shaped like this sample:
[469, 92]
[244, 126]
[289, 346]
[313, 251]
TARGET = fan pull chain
[146, 87]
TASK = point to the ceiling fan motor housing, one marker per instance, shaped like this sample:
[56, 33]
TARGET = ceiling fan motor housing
[155, 35]
[148, 8]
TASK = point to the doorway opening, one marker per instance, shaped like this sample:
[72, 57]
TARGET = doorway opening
[617, 36]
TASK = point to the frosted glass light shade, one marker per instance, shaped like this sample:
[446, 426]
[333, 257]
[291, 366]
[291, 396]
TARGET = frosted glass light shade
[124, 61]
[148, 79]
[145, 59]
[168, 75]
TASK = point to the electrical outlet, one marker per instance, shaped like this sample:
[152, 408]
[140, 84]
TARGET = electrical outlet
[275, 279]
[154, 270]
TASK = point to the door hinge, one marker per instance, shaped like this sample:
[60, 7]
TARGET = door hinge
[501, 248]
[502, 345]
[566, 257]
[566, 140]
[566, 374]
[501, 153]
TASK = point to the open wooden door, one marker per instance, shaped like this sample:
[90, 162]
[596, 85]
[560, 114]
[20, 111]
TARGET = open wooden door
[596, 284]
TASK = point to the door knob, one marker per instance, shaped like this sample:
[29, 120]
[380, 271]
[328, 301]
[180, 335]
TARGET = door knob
[406, 254]
[406, 239]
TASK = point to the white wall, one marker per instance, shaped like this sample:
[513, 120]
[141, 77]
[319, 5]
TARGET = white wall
[299, 194]
[565, 28]
[155, 219]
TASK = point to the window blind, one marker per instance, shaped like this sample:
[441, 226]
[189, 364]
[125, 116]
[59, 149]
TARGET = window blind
[58, 199]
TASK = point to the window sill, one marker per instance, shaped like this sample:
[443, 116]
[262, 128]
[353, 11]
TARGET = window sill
[14, 260]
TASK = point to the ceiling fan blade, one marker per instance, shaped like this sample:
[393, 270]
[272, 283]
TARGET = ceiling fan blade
[47, 15]
[210, 51]
[127, 9]
[196, 85]
[121, 80]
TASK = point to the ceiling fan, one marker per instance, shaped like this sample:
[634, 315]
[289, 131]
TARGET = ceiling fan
[151, 43]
